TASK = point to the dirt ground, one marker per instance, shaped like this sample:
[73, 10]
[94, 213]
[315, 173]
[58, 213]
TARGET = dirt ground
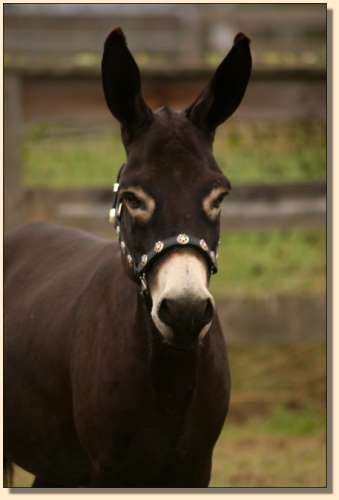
[269, 461]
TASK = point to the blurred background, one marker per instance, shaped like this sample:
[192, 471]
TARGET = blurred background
[62, 152]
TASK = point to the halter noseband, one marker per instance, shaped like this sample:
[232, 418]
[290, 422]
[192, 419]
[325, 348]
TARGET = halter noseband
[139, 268]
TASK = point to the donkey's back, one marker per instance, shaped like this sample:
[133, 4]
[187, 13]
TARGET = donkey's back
[49, 245]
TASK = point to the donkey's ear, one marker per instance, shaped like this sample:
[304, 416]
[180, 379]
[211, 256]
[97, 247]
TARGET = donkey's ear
[122, 85]
[226, 89]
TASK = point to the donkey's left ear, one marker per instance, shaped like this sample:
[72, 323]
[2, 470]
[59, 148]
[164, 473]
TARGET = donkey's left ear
[122, 85]
[226, 89]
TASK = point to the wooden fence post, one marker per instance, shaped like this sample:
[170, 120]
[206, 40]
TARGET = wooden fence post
[13, 188]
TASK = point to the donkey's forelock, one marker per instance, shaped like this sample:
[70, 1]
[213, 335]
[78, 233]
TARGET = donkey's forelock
[171, 140]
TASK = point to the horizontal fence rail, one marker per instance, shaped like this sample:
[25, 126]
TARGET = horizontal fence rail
[248, 207]
[188, 34]
[67, 95]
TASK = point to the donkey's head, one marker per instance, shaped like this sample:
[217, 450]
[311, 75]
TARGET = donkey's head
[171, 189]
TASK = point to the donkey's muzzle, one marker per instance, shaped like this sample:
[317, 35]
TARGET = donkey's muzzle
[186, 318]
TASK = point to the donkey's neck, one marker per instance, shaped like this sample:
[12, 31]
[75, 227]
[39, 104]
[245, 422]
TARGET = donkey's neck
[173, 374]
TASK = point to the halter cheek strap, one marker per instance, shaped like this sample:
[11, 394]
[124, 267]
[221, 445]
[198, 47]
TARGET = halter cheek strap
[139, 266]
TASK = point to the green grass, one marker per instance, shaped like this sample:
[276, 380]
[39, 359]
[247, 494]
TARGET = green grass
[261, 264]
[75, 161]
[288, 423]
[272, 152]
[262, 153]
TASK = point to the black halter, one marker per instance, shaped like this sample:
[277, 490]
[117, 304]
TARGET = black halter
[139, 268]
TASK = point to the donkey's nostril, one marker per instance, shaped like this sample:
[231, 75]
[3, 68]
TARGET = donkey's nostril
[186, 317]
[167, 311]
[208, 313]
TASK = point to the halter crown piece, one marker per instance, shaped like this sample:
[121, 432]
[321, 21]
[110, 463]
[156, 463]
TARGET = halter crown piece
[139, 267]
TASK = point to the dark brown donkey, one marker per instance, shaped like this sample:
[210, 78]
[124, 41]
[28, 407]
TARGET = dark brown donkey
[116, 370]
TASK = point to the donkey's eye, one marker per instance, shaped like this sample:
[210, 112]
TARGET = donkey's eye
[212, 202]
[133, 201]
[138, 203]
[217, 202]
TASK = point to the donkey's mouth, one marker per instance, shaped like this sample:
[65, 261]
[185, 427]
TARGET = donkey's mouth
[181, 347]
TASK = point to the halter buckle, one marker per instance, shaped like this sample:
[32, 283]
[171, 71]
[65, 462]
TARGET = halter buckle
[112, 215]
[143, 282]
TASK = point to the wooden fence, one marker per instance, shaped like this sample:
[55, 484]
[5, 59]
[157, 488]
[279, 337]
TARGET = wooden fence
[188, 35]
[70, 99]
[52, 56]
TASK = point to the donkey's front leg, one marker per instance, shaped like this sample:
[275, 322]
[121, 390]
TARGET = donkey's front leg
[40, 482]
[105, 476]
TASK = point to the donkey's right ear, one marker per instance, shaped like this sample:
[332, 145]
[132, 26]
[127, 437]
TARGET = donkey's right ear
[122, 85]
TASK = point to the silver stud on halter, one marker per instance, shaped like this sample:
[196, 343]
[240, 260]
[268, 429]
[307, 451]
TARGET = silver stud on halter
[144, 259]
[113, 212]
[158, 246]
[213, 257]
[183, 239]
[203, 245]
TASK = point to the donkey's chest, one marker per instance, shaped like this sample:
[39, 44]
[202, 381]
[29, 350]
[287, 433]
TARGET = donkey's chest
[166, 448]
